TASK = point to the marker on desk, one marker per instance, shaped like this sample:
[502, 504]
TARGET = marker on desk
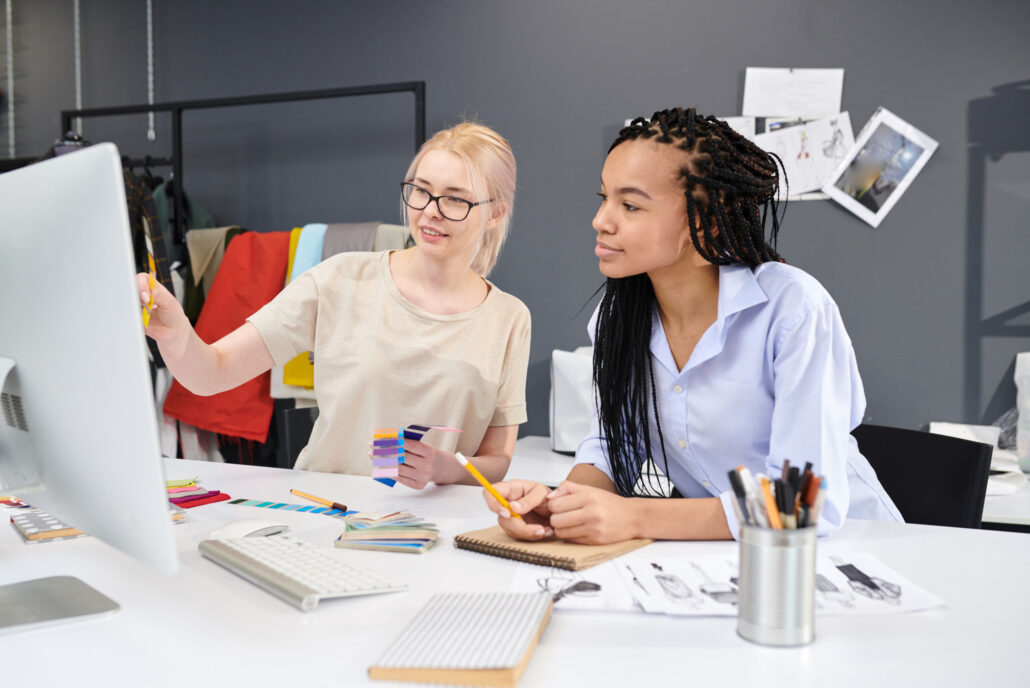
[787, 515]
[751, 498]
[807, 500]
[318, 500]
[770, 505]
[485, 483]
[738, 490]
[794, 479]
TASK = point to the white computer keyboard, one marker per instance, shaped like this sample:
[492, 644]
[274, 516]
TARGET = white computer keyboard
[296, 570]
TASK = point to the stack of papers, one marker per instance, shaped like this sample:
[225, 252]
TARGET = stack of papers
[396, 532]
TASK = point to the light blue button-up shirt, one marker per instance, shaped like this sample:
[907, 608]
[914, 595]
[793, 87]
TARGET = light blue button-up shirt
[773, 378]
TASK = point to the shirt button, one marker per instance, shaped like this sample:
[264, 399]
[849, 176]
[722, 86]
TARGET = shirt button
[682, 444]
[677, 389]
[707, 484]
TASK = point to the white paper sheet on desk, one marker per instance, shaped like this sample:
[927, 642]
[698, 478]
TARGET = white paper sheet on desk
[612, 595]
[707, 586]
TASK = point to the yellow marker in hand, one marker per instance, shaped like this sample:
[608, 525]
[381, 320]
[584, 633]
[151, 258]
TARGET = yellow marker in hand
[485, 483]
[153, 285]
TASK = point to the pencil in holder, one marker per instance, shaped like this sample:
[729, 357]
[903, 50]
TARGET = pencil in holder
[776, 595]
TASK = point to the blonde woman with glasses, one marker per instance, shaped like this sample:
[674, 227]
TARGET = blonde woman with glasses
[399, 337]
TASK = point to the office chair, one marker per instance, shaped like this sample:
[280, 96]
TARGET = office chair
[933, 479]
[295, 425]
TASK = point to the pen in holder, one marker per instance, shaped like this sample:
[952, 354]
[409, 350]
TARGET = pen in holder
[776, 596]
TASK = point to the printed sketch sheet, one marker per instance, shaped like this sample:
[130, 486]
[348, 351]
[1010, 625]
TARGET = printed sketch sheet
[847, 584]
[810, 151]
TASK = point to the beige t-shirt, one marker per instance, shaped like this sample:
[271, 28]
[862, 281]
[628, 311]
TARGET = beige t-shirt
[381, 361]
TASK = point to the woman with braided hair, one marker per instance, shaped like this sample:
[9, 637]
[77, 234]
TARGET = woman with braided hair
[710, 352]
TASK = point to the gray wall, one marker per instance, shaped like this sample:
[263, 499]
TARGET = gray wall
[557, 77]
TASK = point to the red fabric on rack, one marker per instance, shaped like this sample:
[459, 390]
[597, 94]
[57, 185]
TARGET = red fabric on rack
[252, 272]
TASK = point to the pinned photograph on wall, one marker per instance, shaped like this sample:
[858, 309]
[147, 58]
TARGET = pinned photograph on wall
[887, 156]
[810, 151]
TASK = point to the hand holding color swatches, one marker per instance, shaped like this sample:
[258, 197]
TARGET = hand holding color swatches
[388, 449]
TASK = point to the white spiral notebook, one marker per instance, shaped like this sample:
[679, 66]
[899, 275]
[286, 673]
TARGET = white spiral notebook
[477, 639]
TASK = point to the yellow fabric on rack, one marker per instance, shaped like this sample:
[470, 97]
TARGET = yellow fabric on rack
[299, 371]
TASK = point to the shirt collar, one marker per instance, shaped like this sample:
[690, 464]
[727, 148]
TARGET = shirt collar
[738, 291]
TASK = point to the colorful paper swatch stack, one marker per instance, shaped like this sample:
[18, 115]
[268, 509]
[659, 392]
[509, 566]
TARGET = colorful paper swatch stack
[187, 494]
[396, 532]
[388, 449]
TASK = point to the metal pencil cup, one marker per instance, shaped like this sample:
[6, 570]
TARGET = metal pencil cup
[776, 597]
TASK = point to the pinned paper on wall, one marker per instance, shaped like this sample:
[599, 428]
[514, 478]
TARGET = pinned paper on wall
[810, 151]
[798, 93]
[388, 449]
[745, 126]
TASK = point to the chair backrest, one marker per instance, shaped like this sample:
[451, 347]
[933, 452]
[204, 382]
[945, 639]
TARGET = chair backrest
[295, 425]
[933, 479]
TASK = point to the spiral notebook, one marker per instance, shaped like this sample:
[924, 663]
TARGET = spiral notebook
[557, 553]
[469, 639]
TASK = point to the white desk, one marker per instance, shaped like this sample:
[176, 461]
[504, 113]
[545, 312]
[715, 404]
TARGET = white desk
[206, 627]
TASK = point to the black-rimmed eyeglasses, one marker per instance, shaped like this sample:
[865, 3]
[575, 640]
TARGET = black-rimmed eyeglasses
[451, 207]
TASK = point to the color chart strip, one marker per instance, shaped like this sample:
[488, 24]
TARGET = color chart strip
[299, 508]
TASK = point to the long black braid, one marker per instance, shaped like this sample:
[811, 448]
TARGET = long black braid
[732, 189]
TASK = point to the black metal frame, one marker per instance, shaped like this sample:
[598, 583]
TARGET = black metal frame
[996, 127]
[418, 88]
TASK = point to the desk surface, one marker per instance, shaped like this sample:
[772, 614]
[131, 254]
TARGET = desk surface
[205, 626]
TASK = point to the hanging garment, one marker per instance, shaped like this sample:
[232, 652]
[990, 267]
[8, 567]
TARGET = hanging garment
[300, 371]
[309, 249]
[278, 389]
[206, 248]
[197, 217]
[348, 236]
[143, 229]
[252, 272]
[197, 284]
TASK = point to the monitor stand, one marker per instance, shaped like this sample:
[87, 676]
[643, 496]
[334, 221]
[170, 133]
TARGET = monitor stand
[45, 601]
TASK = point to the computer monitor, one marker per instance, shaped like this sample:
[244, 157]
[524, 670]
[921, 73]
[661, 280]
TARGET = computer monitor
[79, 431]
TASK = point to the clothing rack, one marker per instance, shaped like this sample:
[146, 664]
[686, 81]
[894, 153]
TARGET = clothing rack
[147, 162]
[418, 88]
